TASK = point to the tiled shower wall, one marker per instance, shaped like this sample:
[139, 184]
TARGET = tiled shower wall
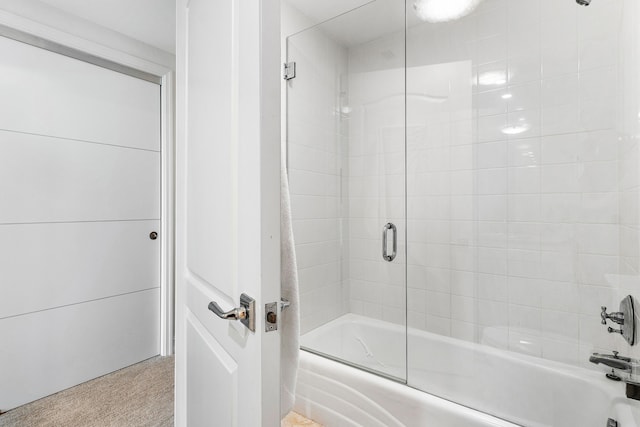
[629, 158]
[314, 133]
[522, 175]
[376, 182]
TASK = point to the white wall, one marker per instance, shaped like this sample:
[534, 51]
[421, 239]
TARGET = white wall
[64, 27]
[150, 21]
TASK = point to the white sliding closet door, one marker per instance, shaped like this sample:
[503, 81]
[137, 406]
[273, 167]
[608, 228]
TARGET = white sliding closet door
[79, 197]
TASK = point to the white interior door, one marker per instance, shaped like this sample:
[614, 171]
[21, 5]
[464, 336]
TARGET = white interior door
[228, 201]
[80, 195]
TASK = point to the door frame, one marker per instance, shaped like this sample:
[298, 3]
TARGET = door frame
[158, 66]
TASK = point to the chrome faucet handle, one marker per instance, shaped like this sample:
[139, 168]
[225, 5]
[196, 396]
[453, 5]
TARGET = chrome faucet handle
[617, 317]
[625, 358]
[617, 331]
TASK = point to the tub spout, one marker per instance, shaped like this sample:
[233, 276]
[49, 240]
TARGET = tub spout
[624, 364]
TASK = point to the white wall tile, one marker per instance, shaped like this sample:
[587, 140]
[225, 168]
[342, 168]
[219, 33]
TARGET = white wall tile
[558, 119]
[490, 234]
[598, 52]
[524, 68]
[599, 177]
[524, 207]
[525, 179]
[522, 186]
[524, 152]
[559, 57]
[492, 207]
[524, 235]
[492, 181]
[491, 155]
[492, 102]
[560, 178]
[560, 148]
[560, 90]
[524, 97]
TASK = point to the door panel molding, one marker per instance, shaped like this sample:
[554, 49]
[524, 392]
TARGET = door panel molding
[211, 371]
[228, 196]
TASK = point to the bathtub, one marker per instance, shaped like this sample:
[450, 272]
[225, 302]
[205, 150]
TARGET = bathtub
[515, 389]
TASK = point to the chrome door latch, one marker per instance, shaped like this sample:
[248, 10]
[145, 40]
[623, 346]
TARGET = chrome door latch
[246, 313]
[271, 317]
[271, 314]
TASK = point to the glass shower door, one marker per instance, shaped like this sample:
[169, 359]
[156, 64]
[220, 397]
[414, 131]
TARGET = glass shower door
[346, 163]
[522, 201]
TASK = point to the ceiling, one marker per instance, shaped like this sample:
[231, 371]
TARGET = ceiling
[149, 21]
[367, 19]
[320, 11]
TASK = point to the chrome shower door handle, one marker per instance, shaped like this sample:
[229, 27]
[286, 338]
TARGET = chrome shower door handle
[245, 313]
[385, 230]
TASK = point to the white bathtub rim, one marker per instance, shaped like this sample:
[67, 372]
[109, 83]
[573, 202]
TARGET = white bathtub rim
[556, 368]
[620, 406]
[399, 380]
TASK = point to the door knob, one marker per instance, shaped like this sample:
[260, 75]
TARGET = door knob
[153, 235]
[245, 313]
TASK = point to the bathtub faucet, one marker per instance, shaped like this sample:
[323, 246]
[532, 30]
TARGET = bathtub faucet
[622, 363]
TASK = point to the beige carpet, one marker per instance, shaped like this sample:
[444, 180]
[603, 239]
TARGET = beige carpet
[140, 395]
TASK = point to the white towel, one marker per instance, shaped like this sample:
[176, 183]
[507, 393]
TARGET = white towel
[290, 325]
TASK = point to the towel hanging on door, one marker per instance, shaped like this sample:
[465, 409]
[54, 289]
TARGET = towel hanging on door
[290, 325]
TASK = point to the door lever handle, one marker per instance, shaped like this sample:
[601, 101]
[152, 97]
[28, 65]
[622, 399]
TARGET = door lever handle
[245, 313]
[235, 314]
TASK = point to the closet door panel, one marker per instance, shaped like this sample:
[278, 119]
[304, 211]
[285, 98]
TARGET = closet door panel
[48, 351]
[50, 94]
[53, 265]
[80, 191]
[45, 179]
